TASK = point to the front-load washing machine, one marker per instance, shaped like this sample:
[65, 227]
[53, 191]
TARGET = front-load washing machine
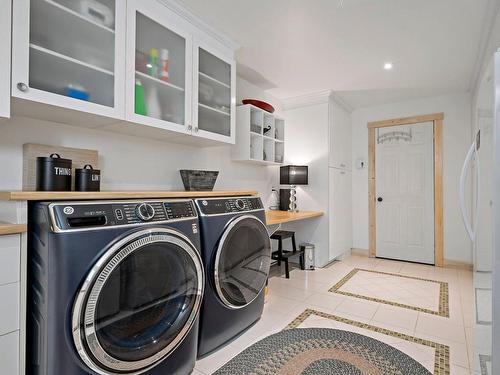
[236, 252]
[115, 287]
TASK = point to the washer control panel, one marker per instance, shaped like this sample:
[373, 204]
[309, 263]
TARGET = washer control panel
[81, 215]
[228, 205]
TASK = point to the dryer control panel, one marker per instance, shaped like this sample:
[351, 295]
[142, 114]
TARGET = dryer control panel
[219, 206]
[92, 215]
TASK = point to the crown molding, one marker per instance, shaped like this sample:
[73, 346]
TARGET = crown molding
[181, 11]
[316, 98]
[307, 100]
[341, 102]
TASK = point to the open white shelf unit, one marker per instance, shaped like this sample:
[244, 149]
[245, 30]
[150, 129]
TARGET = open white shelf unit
[260, 138]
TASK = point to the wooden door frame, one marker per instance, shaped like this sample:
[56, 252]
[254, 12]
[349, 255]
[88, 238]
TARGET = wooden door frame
[437, 120]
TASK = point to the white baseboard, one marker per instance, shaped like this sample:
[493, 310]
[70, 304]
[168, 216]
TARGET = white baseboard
[448, 263]
[360, 252]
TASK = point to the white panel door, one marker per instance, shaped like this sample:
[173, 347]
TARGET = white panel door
[405, 193]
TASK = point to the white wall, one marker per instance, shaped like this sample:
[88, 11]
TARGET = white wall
[307, 143]
[491, 46]
[456, 140]
[130, 162]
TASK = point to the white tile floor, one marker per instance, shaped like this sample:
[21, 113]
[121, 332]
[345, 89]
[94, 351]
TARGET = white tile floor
[407, 291]
[288, 298]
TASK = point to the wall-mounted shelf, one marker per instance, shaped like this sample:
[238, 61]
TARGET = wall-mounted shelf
[220, 111]
[207, 78]
[69, 59]
[260, 138]
[158, 81]
[47, 4]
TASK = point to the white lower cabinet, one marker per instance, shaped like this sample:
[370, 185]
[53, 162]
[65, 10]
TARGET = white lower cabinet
[10, 297]
[9, 308]
[9, 354]
[9, 259]
[340, 211]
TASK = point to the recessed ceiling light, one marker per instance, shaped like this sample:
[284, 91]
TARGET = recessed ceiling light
[388, 66]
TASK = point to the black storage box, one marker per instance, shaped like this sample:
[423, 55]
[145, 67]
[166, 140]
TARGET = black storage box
[284, 199]
[53, 173]
[87, 179]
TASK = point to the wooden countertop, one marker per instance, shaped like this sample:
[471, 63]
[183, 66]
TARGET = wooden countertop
[279, 217]
[76, 195]
[8, 228]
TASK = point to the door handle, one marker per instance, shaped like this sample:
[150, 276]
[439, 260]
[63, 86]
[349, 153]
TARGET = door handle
[380, 199]
[471, 154]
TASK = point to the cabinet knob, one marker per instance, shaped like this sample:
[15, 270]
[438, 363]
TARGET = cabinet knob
[380, 199]
[196, 129]
[190, 127]
[22, 87]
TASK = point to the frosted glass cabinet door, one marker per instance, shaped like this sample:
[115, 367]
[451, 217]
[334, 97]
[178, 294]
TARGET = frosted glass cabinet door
[5, 17]
[70, 53]
[159, 65]
[214, 95]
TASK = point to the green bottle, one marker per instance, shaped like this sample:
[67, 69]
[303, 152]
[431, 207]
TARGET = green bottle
[140, 102]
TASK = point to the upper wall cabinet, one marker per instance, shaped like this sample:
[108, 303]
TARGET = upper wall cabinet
[340, 137]
[5, 40]
[214, 94]
[142, 67]
[70, 54]
[159, 66]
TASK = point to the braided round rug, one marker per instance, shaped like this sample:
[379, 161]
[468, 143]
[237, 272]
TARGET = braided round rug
[314, 351]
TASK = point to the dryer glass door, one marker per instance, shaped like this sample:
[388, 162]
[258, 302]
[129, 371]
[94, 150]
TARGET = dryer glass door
[242, 261]
[139, 301]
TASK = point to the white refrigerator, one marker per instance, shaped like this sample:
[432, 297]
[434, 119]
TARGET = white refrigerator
[482, 219]
[496, 224]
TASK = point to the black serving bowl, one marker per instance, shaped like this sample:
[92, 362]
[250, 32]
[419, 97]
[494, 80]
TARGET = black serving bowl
[197, 180]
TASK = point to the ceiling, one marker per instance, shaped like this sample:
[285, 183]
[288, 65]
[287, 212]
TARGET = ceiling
[297, 47]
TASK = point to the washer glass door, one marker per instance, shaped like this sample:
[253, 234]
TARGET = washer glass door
[242, 261]
[139, 302]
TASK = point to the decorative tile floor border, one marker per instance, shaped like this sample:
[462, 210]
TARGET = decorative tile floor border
[442, 352]
[444, 308]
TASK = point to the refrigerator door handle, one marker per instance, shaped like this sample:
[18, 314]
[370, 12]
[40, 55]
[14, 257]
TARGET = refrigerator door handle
[471, 154]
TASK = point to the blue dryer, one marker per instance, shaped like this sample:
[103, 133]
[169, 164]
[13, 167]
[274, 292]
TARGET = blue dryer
[115, 288]
[236, 252]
